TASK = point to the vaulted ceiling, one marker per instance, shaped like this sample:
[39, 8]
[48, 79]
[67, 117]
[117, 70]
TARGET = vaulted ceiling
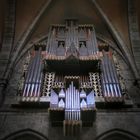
[59, 10]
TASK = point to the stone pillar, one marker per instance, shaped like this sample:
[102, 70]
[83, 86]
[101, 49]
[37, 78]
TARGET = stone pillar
[7, 46]
[3, 84]
[134, 34]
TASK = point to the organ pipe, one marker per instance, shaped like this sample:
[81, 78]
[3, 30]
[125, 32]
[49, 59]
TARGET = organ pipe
[34, 76]
[110, 80]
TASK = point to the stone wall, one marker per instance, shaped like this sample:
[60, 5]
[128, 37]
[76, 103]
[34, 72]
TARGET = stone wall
[11, 122]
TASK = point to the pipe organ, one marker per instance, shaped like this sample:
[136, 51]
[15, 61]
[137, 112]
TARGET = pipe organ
[74, 77]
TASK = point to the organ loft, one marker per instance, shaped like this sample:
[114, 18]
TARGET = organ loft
[73, 75]
[69, 70]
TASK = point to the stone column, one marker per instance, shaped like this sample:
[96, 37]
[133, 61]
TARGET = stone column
[134, 34]
[3, 84]
[7, 46]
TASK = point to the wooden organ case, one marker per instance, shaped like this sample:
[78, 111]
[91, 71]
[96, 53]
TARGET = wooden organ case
[72, 76]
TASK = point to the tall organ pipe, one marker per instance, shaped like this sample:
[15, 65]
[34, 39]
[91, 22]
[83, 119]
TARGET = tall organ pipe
[38, 74]
[33, 79]
[112, 78]
[34, 75]
[109, 76]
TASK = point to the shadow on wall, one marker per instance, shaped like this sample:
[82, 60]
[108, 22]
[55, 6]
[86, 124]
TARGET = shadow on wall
[117, 134]
[27, 134]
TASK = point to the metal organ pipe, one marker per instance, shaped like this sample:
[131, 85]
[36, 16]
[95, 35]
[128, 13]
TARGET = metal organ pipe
[38, 74]
[113, 83]
[105, 76]
[72, 111]
[90, 42]
[27, 78]
[109, 76]
[33, 79]
[116, 78]
[34, 75]
[93, 43]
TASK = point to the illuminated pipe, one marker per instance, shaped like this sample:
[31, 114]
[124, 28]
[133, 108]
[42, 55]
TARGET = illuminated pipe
[39, 87]
[27, 79]
[70, 88]
[79, 104]
[66, 98]
[108, 74]
[111, 76]
[72, 102]
[25, 88]
[28, 89]
[113, 81]
[105, 76]
[32, 76]
[32, 89]
[116, 78]
[76, 104]
[39, 79]
[70, 96]
[115, 88]
[35, 75]
[104, 87]
[76, 101]
[119, 90]
[111, 88]
[38, 74]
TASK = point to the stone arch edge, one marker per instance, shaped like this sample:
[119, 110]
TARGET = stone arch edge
[23, 132]
[117, 131]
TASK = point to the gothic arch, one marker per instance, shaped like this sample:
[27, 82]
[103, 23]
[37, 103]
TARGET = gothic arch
[117, 134]
[25, 135]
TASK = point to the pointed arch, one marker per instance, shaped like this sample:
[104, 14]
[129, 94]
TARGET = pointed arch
[122, 46]
[27, 133]
[117, 134]
[26, 35]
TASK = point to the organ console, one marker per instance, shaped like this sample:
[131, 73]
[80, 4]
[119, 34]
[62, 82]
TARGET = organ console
[74, 76]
